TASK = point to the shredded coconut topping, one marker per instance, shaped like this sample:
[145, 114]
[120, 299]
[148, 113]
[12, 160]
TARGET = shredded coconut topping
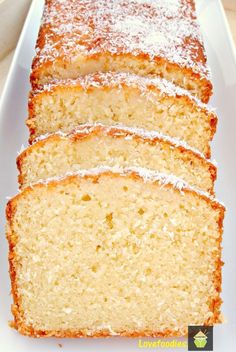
[118, 79]
[157, 28]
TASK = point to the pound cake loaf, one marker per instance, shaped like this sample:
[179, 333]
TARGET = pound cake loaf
[121, 98]
[102, 253]
[91, 146]
[144, 37]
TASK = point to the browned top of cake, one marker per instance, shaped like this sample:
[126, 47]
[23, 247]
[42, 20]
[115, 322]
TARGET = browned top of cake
[156, 29]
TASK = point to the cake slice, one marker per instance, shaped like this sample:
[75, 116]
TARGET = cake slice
[121, 98]
[145, 37]
[91, 146]
[103, 253]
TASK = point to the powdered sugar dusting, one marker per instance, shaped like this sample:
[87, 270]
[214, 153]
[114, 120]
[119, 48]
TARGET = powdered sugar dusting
[157, 28]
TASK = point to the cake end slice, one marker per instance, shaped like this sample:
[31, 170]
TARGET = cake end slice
[104, 253]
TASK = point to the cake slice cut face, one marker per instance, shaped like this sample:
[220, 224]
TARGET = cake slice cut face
[93, 146]
[121, 99]
[103, 253]
[145, 37]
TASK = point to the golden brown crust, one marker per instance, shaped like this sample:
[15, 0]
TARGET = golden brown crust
[12, 240]
[63, 37]
[86, 131]
[18, 323]
[29, 331]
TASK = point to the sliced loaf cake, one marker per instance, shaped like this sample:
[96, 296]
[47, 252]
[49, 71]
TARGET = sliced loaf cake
[95, 145]
[103, 253]
[121, 98]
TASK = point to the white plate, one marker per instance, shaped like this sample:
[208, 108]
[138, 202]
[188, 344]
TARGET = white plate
[13, 134]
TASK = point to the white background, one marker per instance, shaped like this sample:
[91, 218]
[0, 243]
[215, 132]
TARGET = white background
[13, 134]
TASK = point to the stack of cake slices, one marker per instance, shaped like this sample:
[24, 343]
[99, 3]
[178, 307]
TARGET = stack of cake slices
[115, 230]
